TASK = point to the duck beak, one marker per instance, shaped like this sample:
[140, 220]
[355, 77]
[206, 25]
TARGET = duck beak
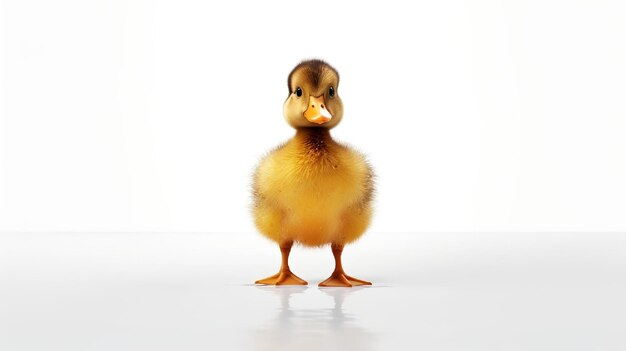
[317, 112]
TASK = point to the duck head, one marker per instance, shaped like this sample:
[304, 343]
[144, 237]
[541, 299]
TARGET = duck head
[313, 100]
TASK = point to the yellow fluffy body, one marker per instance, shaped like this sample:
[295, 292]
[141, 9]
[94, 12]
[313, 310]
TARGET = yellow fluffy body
[313, 190]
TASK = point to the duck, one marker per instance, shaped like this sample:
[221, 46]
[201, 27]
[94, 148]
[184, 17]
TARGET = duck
[312, 190]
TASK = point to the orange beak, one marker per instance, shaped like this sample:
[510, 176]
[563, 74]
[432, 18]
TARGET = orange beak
[317, 112]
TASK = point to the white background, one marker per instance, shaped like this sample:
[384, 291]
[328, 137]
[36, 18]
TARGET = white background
[150, 115]
[480, 117]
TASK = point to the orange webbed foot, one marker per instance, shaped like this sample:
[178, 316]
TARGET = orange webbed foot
[282, 278]
[340, 279]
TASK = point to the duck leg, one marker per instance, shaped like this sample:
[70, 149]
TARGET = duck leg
[284, 275]
[339, 277]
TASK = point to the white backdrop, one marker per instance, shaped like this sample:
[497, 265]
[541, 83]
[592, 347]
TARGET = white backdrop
[150, 116]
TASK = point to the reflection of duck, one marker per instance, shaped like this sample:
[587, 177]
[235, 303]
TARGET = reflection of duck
[326, 328]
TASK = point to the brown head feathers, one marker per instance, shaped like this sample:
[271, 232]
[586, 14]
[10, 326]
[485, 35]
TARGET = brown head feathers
[313, 70]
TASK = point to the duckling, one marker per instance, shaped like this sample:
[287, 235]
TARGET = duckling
[313, 190]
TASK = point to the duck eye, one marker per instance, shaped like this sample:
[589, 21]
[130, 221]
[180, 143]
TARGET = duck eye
[331, 91]
[298, 91]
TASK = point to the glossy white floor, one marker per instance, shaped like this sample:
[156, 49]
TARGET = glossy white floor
[168, 291]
